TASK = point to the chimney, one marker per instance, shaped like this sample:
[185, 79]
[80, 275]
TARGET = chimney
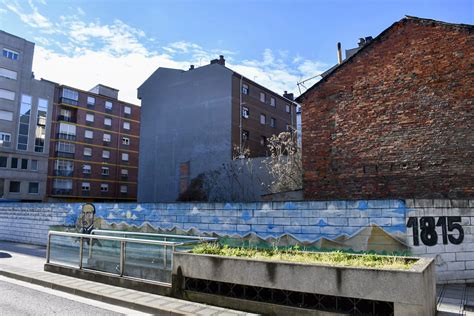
[361, 42]
[339, 53]
[191, 67]
[220, 61]
[289, 96]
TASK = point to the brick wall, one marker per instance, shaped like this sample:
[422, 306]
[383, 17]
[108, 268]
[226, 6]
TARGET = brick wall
[395, 120]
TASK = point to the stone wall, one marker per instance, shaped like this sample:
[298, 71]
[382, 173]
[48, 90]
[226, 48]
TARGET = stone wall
[443, 229]
[396, 119]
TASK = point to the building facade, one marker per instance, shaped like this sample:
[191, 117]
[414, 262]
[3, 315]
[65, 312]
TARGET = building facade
[396, 119]
[25, 119]
[194, 121]
[94, 146]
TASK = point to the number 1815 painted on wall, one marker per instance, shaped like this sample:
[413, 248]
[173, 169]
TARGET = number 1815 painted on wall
[426, 230]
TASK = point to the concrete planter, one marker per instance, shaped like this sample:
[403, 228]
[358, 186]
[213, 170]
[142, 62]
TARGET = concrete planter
[412, 292]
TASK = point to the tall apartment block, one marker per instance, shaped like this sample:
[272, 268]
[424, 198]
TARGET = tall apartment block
[25, 117]
[193, 120]
[94, 146]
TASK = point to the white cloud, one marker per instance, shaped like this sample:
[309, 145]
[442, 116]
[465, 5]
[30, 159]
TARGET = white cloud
[33, 18]
[80, 11]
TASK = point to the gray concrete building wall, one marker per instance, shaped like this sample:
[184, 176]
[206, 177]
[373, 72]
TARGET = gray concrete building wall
[185, 117]
[23, 170]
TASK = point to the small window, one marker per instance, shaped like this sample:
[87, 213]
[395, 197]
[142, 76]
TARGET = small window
[263, 97]
[7, 95]
[89, 117]
[108, 105]
[107, 138]
[288, 108]
[108, 121]
[14, 187]
[123, 189]
[245, 135]
[6, 115]
[88, 134]
[104, 187]
[105, 171]
[263, 140]
[106, 154]
[124, 172]
[8, 74]
[273, 122]
[5, 139]
[263, 119]
[124, 156]
[14, 163]
[87, 151]
[33, 187]
[245, 89]
[34, 165]
[24, 164]
[245, 112]
[10, 54]
[90, 100]
[86, 186]
[272, 102]
[126, 125]
[127, 110]
[86, 169]
[125, 140]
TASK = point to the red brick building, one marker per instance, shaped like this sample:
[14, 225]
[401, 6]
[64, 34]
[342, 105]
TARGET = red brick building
[396, 119]
[94, 146]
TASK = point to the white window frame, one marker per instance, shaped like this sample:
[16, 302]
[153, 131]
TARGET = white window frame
[6, 115]
[263, 119]
[263, 97]
[86, 186]
[90, 117]
[87, 152]
[124, 172]
[126, 125]
[125, 156]
[107, 137]
[127, 110]
[245, 89]
[104, 187]
[105, 171]
[288, 108]
[10, 54]
[90, 100]
[106, 154]
[108, 105]
[7, 94]
[245, 112]
[126, 141]
[107, 119]
[123, 188]
[86, 169]
[272, 101]
[88, 134]
[8, 74]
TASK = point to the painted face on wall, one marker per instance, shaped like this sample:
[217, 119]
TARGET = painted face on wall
[86, 219]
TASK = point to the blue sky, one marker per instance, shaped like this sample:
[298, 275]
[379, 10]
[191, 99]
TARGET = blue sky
[276, 43]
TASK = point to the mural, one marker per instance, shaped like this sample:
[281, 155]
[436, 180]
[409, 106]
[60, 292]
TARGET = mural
[349, 225]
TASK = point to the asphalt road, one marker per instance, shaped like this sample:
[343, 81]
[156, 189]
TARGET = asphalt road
[20, 299]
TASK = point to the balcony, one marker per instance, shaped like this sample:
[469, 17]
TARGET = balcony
[67, 119]
[66, 136]
[63, 173]
[64, 154]
[5, 144]
[62, 191]
[67, 101]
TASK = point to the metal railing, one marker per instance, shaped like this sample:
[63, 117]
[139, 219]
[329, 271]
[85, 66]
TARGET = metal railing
[143, 265]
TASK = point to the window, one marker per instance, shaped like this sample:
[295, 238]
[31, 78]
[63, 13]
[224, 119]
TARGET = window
[263, 97]
[124, 172]
[65, 147]
[124, 156]
[273, 122]
[263, 119]
[86, 186]
[123, 189]
[33, 187]
[86, 169]
[245, 112]
[105, 171]
[62, 184]
[288, 108]
[106, 154]
[24, 124]
[14, 186]
[245, 135]
[127, 110]
[89, 117]
[40, 133]
[90, 100]
[6, 115]
[107, 138]
[70, 96]
[104, 187]
[108, 105]
[245, 89]
[88, 134]
[68, 131]
[34, 165]
[87, 151]
[125, 140]
[272, 102]
[14, 163]
[63, 167]
[3, 161]
[8, 74]
[10, 54]
[108, 121]
[7, 95]
[24, 164]
[126, 125]
[263, 140]
[5, 139]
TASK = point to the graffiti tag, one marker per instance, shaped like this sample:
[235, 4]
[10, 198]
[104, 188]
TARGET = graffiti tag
[424, 228]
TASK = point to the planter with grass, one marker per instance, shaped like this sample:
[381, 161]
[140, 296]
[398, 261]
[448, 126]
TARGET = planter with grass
[306, 283]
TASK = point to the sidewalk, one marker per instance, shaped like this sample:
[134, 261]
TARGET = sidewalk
[25, 262]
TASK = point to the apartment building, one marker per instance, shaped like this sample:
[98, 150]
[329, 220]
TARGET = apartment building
[25, 117]
[192, 121]
[94, 146]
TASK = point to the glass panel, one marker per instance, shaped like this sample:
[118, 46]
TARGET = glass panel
[102, 255]
[149, 262]
[65, 250]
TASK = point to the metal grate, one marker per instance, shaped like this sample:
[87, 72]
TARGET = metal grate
[353, 306]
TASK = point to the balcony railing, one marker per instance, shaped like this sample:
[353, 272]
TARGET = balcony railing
[68, 101]
[63, 173]
[5, 144]
[66, 118]
[64, 154]
[62, 191]
[66, 136]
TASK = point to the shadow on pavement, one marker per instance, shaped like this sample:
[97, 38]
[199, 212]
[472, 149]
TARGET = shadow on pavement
[25, 249]
[5, 255]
